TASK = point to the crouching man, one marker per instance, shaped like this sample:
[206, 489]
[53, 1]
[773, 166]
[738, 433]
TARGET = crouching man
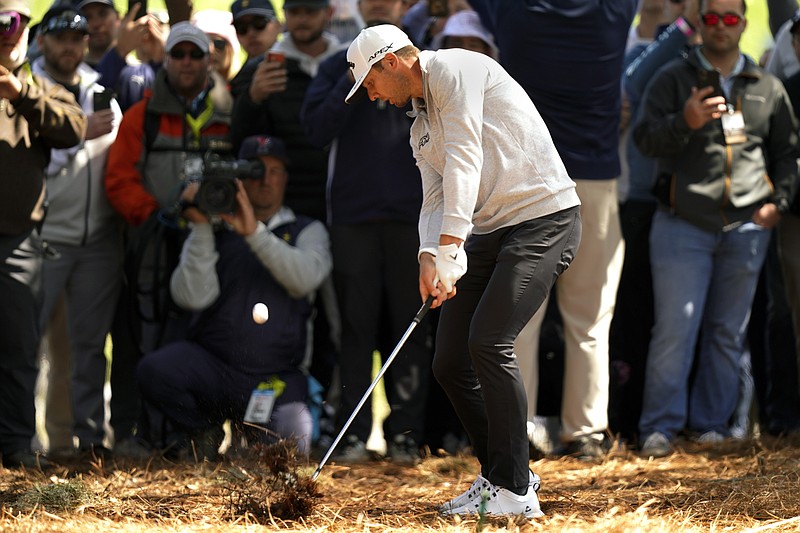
[262, 253]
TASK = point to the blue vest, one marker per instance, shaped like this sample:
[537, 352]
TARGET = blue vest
[227, 329]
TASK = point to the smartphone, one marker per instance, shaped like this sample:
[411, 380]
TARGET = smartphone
[710, 78]
[142, 8]
[102, 100]
[438, 8]
[277, 57]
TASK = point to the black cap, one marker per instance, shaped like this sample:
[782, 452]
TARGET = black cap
[257, 145]
[63, 18]
[262, 8]
[83, 3]
[313, 4]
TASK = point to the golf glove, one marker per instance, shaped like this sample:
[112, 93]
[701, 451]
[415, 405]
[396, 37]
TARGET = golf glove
[451, 264]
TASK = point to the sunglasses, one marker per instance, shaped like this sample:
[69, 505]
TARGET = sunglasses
[242, 26]
[9, 22]
[195, 54]
[219, 44]
[728, 19]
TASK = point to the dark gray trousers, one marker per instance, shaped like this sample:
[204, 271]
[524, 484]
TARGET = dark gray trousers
[510, 273]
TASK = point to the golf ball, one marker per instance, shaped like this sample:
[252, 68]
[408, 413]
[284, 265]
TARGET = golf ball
[260, 313]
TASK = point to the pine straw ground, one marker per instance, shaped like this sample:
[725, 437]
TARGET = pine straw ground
[749, 486]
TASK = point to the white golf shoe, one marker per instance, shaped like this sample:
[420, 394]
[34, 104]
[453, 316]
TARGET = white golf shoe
[485, 498]
[472, 493]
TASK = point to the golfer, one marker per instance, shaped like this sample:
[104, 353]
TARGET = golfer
[500, 219]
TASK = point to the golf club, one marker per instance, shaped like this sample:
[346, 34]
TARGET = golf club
[381, 372]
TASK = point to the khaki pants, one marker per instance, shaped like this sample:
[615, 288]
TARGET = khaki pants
[586, 295]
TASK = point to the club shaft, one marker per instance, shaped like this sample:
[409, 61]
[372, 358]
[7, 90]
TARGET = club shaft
[381, 372]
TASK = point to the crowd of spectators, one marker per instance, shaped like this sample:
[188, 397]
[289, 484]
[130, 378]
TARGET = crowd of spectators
[165, 173]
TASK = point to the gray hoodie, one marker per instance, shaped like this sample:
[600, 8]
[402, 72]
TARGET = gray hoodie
[78, 212]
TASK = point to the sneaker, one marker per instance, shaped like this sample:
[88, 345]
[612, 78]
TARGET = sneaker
[586, 448]
[656, 445]
[470, 500]
[497, 501]
[472, 493]
[404, 450]
[710, 437]
[26, 459]
[354, 451]
[131, 448]
[204, 445]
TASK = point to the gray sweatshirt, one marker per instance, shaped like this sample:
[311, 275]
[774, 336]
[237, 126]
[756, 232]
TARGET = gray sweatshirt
[486, 157]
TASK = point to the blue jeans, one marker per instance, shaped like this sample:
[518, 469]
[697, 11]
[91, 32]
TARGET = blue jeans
[704, 283]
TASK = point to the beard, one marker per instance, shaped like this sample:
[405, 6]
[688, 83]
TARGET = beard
[308, 36]
[64, 67]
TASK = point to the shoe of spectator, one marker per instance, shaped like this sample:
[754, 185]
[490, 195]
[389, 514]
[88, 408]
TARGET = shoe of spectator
[404, 450]
[26, 459]
[204, 445]
[354, 451]
[586, 448]
[497, 501]
[132, 448]
[656, 445]
[710, 437]
[92, 452]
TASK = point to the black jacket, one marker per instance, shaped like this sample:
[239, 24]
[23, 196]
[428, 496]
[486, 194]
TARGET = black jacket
[701, 178]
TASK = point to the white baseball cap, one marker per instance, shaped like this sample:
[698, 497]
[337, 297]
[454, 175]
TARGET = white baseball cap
[369, 47]
[187, 32]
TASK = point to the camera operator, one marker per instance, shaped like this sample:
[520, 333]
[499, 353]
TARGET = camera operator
[263, 253]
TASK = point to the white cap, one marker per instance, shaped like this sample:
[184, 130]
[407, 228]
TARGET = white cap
[185, 31]
[465, 23]
[369, 47]
[217, 22]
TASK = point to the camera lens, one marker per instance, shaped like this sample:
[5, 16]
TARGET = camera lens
[217, 195]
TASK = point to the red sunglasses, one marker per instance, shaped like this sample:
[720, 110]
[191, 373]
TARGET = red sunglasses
[728, 19]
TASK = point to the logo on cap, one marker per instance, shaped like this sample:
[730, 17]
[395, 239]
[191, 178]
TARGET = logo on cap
[380, 51]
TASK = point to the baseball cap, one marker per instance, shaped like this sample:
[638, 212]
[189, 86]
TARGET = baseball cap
[369, 47]
[63, 18]
[19, 6]
[217, 22]
[257, 145]
[313, 4]
[466, 23]
[261, 8]
[186, 32]
[83, 3]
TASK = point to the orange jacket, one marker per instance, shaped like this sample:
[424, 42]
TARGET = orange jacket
[140, 178]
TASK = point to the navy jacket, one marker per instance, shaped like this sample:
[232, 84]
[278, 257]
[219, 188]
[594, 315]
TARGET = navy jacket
[372, 175]
[568, 55]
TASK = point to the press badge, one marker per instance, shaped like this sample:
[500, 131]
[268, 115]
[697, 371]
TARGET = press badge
[733, 127]
[262, 399]
[259, 408]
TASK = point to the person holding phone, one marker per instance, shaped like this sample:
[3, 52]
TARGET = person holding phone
[727, 169]
[84, 230]
[257, 29]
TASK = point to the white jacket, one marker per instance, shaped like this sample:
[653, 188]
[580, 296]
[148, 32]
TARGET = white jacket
[78, 211]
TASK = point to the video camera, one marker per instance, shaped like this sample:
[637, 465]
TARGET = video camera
[217, 192]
